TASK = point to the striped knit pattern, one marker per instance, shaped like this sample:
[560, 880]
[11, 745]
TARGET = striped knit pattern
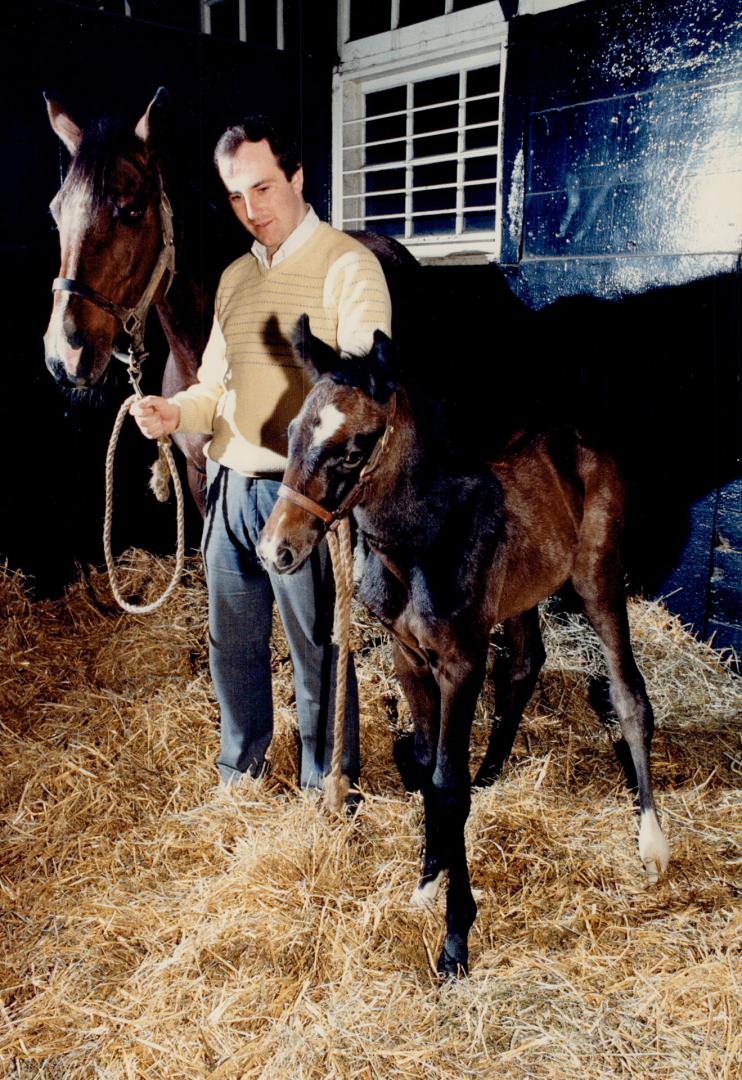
[250, 384]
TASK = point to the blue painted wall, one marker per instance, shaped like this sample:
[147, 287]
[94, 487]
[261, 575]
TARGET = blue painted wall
[622, 205]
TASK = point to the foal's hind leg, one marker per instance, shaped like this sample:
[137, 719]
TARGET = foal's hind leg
[629, 699]
[515, 674]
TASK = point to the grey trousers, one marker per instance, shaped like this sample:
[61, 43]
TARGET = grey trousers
[241, 595]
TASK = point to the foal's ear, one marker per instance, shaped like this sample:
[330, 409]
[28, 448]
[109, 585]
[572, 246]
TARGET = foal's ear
[317, 357]
[153, 125]
[383, 366]
[63, 125]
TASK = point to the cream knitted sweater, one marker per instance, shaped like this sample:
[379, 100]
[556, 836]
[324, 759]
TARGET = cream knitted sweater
[250, 385]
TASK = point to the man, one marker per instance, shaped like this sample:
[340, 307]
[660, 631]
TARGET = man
[249, 388]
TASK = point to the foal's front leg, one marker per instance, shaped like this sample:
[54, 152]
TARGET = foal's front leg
[424, 700]
[447, 803]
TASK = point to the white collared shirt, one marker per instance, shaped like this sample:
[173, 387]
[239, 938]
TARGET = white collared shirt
[293, 241]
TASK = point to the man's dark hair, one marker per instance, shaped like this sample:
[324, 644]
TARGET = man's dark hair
[255, 128]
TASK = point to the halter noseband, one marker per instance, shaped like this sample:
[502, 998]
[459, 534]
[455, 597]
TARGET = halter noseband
[332, 518]
[132, 319]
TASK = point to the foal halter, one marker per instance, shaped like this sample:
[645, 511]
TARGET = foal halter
[132, 319]
[332, 518]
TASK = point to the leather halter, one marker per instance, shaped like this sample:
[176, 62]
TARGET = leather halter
[332, 518]
[132, 319]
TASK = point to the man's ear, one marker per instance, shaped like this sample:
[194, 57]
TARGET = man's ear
[383, 362]
[318, 358]
[63, 125]
[153, 125]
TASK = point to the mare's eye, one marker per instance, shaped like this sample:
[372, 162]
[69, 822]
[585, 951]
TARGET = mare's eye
[352, 458]
[131, 214]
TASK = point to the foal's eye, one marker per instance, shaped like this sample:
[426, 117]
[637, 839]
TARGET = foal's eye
[352, 458]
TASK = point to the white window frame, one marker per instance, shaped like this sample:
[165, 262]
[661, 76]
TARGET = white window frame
[447, 44]
[206, 6]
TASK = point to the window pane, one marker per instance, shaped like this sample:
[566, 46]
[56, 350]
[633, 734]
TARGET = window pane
[433, 225]
[225, 19]
[481, 168]
[433, 91]
[369, 18]
[480, 221]
[480, 195]
[388, 228]
[261, 23]
[385, 205]
[460, 5]
[385, 180]
[441, 172]
[478, 138]
[415, 11]
[479, 112]
[182, 13]
[386, 101]
[483, 80]
[386, 153]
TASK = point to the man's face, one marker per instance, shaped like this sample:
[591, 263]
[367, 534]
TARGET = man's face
[268, 205]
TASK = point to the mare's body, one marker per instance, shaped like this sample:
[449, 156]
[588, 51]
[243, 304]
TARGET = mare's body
[457, 546]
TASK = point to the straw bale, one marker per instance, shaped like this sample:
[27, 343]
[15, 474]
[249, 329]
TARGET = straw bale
[155, 925]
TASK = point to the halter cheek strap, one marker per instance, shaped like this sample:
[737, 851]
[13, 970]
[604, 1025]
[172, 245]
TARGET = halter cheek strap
[331, 518]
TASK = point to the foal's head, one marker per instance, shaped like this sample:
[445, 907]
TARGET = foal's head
[330, 441]
[108, 215]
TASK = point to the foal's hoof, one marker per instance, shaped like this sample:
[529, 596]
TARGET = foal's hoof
[654, 849]
[486, 776]
[452, 967]
[426, 892]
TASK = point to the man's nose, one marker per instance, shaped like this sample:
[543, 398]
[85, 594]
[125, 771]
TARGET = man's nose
[249, 208]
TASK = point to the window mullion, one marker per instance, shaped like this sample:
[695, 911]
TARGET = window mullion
[409, 154]
[460, 147]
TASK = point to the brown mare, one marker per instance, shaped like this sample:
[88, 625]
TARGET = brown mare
[455, 548]
[120, 251]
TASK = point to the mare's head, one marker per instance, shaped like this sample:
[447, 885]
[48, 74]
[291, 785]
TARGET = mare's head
[336, 436]
[110, 233]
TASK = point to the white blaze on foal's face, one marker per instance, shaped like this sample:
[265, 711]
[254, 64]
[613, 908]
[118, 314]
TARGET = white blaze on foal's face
[329, 421]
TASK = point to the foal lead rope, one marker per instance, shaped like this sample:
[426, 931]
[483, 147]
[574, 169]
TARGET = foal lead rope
[159, 485]
[337, 784]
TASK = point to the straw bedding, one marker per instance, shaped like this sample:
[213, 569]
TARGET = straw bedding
[156, 926]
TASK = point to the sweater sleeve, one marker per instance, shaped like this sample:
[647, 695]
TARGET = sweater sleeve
[356, 288]
[198, 403]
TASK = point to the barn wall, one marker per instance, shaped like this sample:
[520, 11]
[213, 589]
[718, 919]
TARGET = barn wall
[622, 225]
[98, 63]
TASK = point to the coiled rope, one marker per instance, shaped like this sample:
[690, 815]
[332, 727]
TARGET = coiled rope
[337, 784]
[163, 470]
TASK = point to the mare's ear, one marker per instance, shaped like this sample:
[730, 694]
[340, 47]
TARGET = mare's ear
[317, 357]
[383, 363]
[63, 125]
[153, 126]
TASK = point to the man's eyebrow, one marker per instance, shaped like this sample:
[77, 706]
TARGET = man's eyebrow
[258, 183]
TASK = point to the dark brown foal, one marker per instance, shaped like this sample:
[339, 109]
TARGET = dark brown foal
[455, 548]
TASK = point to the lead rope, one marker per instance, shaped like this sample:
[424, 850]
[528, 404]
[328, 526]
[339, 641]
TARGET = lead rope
[160, 486]
[337, 784]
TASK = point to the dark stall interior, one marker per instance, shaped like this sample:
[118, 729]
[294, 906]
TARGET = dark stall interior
[615, 304]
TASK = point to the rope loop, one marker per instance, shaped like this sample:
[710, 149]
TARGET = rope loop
[164, 464]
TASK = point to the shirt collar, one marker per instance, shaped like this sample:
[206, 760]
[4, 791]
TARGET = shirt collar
[293, 241]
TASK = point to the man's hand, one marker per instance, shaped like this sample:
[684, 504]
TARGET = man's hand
[156, 416]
